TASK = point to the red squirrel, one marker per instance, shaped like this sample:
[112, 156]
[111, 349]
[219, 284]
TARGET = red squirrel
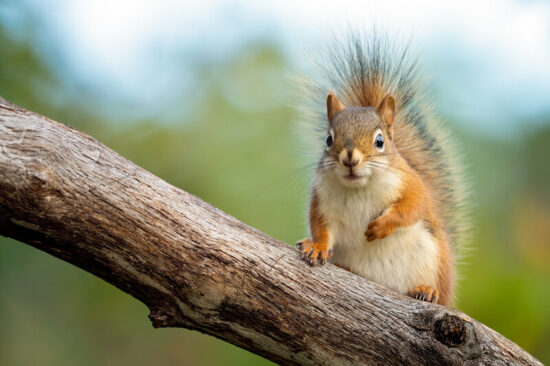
[387, 193]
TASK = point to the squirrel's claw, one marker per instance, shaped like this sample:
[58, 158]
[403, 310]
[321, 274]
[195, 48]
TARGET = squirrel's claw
[424, 293]
[379, 229]
[314, 252]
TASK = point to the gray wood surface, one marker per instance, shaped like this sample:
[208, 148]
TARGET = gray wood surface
[197, 267]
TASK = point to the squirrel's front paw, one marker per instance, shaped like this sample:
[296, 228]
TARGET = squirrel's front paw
[313, 252]
[378, 229]
[424, 293]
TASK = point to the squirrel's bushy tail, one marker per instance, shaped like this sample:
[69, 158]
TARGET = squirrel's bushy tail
[363, 69]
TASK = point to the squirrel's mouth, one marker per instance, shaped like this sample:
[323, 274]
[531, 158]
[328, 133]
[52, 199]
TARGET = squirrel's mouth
[351, 176]
[352, 179]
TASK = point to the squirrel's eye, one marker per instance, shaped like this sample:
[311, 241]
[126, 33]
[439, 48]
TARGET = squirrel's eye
[379, 142]
[329, 140]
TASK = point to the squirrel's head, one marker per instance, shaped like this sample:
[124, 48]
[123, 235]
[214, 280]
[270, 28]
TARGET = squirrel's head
[359, 140]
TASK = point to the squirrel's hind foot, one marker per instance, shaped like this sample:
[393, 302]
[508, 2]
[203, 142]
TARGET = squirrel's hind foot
[425, 293]
[314, 252]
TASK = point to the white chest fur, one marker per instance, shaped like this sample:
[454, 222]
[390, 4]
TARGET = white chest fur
[401, 261]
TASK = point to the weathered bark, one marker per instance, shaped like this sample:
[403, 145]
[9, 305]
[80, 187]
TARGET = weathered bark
[196, 267]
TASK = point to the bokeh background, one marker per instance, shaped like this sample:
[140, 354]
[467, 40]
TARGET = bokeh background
[201, 94]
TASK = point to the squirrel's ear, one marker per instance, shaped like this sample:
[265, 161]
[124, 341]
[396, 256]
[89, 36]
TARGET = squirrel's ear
[333, 106]
[386, 110]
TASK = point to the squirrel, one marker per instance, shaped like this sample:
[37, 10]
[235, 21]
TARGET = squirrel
[387, 197]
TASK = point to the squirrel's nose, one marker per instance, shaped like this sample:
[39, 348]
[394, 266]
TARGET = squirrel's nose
[350, 158]
[350, 163]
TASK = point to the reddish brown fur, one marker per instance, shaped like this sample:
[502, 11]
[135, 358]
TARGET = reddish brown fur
[333, 106]
[371, 73]
[409, 208]
[446, 266]
[316, 249]
[413, 205]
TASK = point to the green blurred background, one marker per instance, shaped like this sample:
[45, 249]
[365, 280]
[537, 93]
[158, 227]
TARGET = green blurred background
[220, 124]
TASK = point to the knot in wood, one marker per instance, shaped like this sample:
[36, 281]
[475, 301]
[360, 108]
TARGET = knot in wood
[38, 181]
[450, 330]
[160, 318]
[43, 185]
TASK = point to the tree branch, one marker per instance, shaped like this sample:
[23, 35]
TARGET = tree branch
[196, 267]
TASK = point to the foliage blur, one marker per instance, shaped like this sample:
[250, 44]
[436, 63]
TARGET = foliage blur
[235, 147]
